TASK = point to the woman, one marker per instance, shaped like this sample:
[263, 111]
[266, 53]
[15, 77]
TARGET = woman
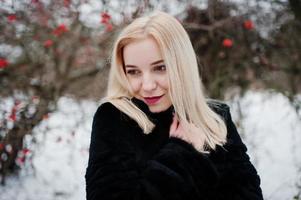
[156, 136]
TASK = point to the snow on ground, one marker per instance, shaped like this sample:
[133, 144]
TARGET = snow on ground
[272, 132]
[60, 158]
[269, 127]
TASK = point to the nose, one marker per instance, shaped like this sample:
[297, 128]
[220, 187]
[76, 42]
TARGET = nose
[148, 83]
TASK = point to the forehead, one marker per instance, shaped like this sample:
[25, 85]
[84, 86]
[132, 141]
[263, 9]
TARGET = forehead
[142, 52]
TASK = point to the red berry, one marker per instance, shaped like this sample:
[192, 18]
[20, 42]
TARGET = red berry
[25, 151]
[11, 18]
[3, 63]
[48, 43]
[105, 18]
[227, 43]
[1, 146]
[60, 30]
[248, 24]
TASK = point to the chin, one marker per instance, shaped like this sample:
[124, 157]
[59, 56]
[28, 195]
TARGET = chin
[155, 110]
[158, 108]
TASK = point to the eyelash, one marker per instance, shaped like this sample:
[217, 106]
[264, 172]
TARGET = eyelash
[160, 67]
[157, 68]
[132, 72]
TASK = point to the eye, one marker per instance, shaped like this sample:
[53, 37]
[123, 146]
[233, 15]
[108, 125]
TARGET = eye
[160, 68]
[132, 72]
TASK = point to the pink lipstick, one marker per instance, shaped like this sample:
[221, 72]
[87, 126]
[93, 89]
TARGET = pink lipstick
[152, 100]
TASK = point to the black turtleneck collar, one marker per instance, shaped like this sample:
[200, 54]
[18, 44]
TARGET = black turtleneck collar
[159, 117]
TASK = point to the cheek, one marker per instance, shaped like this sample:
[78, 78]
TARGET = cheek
[135, 85]
[164, 83]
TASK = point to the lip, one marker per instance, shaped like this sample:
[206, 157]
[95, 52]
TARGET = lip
[152, 100]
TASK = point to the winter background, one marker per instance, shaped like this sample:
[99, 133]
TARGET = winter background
[54, 168]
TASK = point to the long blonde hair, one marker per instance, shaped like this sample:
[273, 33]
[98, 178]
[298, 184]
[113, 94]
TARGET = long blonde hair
[186, 89]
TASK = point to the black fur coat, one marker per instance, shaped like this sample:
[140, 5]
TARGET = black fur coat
[126, 164]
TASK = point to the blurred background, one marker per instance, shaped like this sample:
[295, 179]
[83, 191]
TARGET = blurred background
[54, 63]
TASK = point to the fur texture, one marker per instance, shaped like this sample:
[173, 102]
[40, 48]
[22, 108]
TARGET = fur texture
[126, 164]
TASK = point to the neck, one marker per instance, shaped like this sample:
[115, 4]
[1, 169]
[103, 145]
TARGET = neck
[158, 117]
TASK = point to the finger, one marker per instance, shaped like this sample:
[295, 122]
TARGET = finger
[177, 121]
[186, 126]
[174, 124]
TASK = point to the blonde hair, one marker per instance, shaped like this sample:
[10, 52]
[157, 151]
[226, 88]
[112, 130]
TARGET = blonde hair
[186, 89]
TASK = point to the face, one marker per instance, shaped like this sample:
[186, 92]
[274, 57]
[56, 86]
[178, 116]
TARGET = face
[146, 72]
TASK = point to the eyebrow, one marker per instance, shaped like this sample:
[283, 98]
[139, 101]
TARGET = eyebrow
[153, 63]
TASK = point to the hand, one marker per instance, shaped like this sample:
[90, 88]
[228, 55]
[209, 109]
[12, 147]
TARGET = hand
[187, 132]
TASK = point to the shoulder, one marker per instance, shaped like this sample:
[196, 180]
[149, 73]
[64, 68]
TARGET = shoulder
[107, 114]
[106, 109]
[234, 140]
[219, 107]
[110, 127]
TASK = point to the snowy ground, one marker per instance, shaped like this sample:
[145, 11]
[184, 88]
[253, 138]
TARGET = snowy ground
[269, 127]
[272, 132]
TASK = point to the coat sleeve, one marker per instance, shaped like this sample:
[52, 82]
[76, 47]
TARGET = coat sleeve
[114, 172]
[239, 179]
